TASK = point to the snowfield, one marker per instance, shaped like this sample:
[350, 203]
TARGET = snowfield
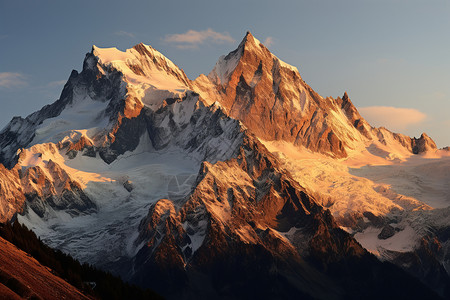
[152, 175]
[425, 179]
[407, 192]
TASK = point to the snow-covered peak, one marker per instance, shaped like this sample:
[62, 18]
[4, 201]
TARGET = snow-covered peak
[142, 64]
[149, 76]
[109, 55]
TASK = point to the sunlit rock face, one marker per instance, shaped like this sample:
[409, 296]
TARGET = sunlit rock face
[270, 97]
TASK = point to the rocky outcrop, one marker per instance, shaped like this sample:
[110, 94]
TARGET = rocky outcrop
[353, 115]
[422, 144]
[53, 188]
[12, 197]
[387, 232]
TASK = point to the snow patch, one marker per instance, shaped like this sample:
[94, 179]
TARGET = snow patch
[402, 241]
[85, 116]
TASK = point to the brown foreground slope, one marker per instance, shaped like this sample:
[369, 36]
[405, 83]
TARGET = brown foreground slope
[21, 276]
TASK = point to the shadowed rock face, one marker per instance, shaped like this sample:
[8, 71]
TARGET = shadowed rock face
[422, 144]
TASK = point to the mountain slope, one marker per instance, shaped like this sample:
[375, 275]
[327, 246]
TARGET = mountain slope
[174, 174]
[248, 229]
[22, 277]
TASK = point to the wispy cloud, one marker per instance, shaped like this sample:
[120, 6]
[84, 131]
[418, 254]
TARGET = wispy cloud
[394, 118]
[58, 83]
[9, 80]
[268, 41]
[192, 38]
[439, 95]
[3, 36]
[125, 33]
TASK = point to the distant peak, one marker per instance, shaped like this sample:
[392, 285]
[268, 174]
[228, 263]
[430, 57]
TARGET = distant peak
[107, 55]
[142, 45]
[345, 97]
[424, 136]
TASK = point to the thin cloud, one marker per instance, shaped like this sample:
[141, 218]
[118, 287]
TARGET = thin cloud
[125, 33]
[10, 80]
[268, 41]
[187, 46]
[4, 36]
[394, 118]
[192, 38]
[58, 83]
[439, 95]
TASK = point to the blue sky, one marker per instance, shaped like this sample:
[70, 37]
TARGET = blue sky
[392, 57]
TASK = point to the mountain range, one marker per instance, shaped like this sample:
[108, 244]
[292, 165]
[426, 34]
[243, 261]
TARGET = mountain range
[240, 184]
